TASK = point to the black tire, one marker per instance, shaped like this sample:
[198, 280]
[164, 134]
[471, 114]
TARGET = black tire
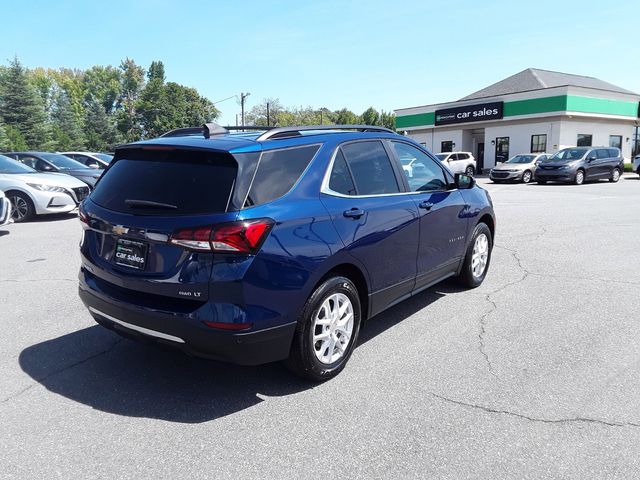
[470, 171]
[302, 359]
[615, 175]
[541, 182]
[527, 176]
[22, 207]
[466, 276]
[580, 176]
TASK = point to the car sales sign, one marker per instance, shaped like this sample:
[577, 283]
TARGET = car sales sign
[469, 113]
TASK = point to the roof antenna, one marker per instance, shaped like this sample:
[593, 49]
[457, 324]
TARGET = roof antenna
[213, 128]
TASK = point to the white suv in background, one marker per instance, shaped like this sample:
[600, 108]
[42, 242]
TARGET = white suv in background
[459, 162]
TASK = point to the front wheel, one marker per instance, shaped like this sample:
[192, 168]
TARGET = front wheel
[526, 176]
[579, 180]
[327, 331]
[470, 171]
[477, 258]
[615, 175]
[22, 207]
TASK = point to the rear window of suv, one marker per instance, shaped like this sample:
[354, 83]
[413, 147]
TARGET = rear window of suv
[176, 182]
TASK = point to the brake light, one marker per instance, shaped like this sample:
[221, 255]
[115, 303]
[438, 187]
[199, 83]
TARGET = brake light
[228, 326]
[245, 236]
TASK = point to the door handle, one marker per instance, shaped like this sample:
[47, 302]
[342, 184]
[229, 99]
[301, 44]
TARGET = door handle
[426, 205]
[353, 213]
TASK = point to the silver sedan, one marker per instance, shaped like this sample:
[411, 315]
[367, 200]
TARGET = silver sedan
[518, 168]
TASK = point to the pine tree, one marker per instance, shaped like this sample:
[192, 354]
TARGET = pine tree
[67, 130]
[99, 129]
[21, 105]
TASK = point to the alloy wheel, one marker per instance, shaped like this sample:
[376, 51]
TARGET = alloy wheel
[20, 207]
[480, 255]
[616, 175]
[579, 177]
[333, 328]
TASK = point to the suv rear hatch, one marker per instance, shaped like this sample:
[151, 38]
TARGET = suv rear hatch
[146, 196]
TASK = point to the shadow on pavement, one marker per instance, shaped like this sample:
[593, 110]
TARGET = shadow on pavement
[97, 368]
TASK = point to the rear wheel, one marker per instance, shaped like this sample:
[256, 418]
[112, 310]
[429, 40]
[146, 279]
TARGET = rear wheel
[579, 180]
[22, 207]
[615, 175]
[526, 176]
[470, 171]
[477, 258]
[327, 331]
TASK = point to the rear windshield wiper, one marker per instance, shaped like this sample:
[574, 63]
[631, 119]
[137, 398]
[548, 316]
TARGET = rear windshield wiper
[149, 204]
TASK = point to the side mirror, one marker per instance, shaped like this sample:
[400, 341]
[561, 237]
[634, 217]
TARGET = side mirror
[93, 165]
[464, 182]
[47, 168]
[591, 158]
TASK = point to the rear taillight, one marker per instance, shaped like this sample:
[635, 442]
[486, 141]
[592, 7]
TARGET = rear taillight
[245, 236]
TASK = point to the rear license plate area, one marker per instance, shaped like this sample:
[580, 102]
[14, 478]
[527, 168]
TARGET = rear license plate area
[130, 253]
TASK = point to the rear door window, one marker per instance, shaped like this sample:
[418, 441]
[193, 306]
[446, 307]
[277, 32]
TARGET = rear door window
[341, 180]
[613, 152]
[176, 182]
[277, 173]
[371, 168]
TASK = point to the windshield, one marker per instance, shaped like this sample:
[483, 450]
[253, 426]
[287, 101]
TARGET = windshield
[521, 159]
[62, 162]
[104, 157]
[442, 156]
[569, 154]
[8, 165]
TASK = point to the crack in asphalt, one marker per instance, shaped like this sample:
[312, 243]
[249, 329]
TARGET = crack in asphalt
[39, 381]
[487, 409]
[494, 307]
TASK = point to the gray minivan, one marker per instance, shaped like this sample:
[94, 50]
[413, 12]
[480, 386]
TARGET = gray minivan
[580, 164]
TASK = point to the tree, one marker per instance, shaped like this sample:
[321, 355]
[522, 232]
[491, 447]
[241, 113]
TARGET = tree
[21, 106]
[4, 139]
[100, 132]
[152, 106]
[345, 117]
[16, 140]
[132, 82]
[67, 131]
[103, 84]
[388, 120]
[370, 117]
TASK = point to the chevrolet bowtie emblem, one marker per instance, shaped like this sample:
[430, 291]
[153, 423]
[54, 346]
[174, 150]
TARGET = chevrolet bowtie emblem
[119, 229]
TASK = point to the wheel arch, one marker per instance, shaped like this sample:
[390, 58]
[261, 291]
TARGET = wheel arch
[357, 276]
[490, 222]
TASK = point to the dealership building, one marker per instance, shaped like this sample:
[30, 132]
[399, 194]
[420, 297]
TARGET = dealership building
[531, 111]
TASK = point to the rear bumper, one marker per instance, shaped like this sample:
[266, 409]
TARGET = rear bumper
[186, 331]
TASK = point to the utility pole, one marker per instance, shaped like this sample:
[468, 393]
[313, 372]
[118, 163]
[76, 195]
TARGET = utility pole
[268, 122]
[243, 97]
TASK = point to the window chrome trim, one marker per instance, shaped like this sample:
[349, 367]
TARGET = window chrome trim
[324, 188]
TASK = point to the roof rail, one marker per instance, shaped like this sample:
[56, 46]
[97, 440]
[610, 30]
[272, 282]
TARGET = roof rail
[210, 129]
[287, 132]
[183, 132]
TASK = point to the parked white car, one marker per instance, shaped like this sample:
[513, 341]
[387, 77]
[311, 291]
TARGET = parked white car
[32, 193]
[636, 164]
[459, 162]
[5, 209]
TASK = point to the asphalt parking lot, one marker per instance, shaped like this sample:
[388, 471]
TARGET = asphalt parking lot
[536, 374]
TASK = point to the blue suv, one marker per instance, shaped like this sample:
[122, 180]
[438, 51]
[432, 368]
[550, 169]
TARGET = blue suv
[253, 247]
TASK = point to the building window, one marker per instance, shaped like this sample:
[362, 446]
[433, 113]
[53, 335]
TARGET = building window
[502, 149]
[446, 146]
[615, 141]
[538, 143]
[584, 140]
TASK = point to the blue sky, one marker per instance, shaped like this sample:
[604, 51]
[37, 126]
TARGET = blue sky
[331, 53]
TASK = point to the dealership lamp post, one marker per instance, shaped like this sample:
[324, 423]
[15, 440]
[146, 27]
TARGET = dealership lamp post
[243, 97]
